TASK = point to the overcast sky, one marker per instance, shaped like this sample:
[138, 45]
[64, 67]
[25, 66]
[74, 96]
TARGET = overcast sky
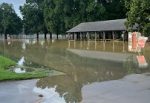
[16, 4]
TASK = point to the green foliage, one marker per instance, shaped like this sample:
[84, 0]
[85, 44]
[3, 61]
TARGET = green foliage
[138, 14]
[57, 16]
[62, 15]
[33, 17]
[54, 17]
[10, 23]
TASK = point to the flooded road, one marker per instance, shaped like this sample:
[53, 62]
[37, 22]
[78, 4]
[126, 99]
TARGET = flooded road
[81, 73]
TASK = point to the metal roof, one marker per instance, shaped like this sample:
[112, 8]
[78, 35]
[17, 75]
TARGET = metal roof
[109, 25]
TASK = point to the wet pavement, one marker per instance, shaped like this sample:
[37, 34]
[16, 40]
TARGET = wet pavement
[18, 92]
[134, 88]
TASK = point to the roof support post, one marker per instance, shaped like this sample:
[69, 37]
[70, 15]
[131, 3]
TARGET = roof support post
[80, 40]
[123, 41]
[104, 36]
[73, 36]
[88, 42]
[75, 40]
[68, 36]
[80, 36]
[123, 35]
[95, 36]
[88, 36]
[113, 35]
[95, 40]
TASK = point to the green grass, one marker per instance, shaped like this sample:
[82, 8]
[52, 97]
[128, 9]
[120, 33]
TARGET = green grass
[6, 74]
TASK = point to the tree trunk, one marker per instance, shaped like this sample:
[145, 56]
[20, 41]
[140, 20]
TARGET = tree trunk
[51, 35]
[5, 36]
[37, 36]
[45, 36]
[57, 36]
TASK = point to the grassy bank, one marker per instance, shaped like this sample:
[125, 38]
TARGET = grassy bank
[6, 74]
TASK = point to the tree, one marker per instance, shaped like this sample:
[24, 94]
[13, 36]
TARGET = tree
[40, 4]
[95, 11]
[138, 14]
[32, 18]
[54, 17]
[10, 22]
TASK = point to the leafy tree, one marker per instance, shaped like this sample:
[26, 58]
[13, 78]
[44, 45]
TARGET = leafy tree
[54, 17]
[95, 11]
[40, 4]
[32, 18]
[10, 22]
[138, 14]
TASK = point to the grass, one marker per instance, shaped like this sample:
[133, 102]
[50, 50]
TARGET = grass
[6, 74]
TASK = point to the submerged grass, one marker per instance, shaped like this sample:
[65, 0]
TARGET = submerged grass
[6, 74]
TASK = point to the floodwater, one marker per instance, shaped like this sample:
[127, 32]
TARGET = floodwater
[83, 75]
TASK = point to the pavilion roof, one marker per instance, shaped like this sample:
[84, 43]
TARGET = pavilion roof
[109, 25]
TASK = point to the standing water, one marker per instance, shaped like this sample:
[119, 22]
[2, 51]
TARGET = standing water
[88, 78]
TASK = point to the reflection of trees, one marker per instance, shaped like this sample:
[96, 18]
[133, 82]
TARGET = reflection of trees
[66, 87]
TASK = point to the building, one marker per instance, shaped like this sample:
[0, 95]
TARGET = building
[99, 30]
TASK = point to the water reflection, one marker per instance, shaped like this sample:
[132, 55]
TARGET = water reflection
[49, 95]
[111, 46]
[18, 68]
[79, 71]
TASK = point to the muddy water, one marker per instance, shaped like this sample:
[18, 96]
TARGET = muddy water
[80, 71]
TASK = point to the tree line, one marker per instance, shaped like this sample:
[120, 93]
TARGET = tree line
[57, 16]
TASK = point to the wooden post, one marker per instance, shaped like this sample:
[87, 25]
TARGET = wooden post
[104, 39]
[95, 40]
[113, 35]
[73, 36]
[123, 36]
[88, 36]
[104, 36]
[80, 36]
[88, 42]
[123, 41]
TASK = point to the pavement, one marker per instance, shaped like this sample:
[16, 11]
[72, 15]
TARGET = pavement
[18, 92]
[133, 88]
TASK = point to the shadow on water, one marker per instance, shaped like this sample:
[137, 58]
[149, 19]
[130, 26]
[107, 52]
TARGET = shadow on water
[79, 71]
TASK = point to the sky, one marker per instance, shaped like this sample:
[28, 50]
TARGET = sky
[16, 5]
